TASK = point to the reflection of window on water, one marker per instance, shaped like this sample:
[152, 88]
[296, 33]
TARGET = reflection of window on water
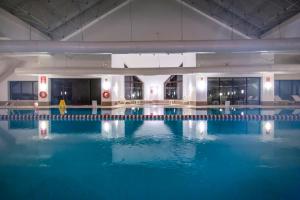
[173, 87]
[134, 111]
[238, 91]
[23, 90]
[20, 124]
[133, 88]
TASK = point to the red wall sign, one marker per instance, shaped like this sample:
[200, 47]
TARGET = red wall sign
[43, 79]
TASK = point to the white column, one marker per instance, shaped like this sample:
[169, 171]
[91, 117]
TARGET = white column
[267, 88]
[154, 87]
[106, 90]
[189, 88]
[201, 88]
[43, 89]
[118, 89]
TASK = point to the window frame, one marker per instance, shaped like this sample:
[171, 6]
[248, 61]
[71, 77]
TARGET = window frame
[132, 84]
[179, 84]
[33, 95]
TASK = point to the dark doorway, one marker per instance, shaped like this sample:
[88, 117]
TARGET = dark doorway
[75, 91]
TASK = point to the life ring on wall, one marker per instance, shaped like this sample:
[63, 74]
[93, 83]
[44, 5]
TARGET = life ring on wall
[43, 94]
[106, 94]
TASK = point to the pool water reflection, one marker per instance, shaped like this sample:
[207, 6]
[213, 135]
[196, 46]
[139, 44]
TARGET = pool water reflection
[149, 159]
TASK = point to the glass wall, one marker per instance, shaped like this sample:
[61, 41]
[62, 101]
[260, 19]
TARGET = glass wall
[238, 91]
[173, 87]
[75, 91]
[23, 90]
[286, 88]
[253, 91]
[133, 88]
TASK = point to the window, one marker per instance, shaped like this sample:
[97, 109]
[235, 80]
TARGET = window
[23, 90]
[226, 90]
[238, 91]
[213, 91]
[173, 87]
[286, 88]
[133, 88]
[75, 91]
[253, 91]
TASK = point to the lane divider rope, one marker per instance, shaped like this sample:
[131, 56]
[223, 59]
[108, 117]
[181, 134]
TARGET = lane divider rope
[90, 117]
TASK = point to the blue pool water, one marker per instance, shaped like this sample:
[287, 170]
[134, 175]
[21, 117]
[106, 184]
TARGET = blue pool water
[149, 159]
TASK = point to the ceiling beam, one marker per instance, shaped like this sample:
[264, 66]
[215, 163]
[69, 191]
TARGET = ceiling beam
[86, 18]
[20, 22]
[215, 46]
[224, 16]
[62, 19]
[96, 71]
[240, 12]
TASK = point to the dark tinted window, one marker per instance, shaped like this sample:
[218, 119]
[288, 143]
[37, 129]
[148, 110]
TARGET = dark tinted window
[23, 90]
[75, 91]
[286, 88]
[173, 87]
[133, 88]
[239, 90]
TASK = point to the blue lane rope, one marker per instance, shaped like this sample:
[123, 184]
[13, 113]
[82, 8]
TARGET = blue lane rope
[91, 117]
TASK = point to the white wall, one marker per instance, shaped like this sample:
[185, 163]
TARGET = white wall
[75, 60]
[234, 59]
[118, 88]
[287, 76]
[155, 20]
[4, 85]
[153, 60]
[189, 87]
[153, 87]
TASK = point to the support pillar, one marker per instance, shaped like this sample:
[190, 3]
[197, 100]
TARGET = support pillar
[106, 91]
[189, 89]
[43, 90]
[267, 89]
[201, 90]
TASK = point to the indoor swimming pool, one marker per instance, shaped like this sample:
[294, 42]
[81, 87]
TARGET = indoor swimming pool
[130, 159]
[155, 110]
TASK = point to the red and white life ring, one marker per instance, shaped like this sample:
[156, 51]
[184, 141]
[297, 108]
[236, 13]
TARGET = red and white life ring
[106, 94]
[43, 94]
